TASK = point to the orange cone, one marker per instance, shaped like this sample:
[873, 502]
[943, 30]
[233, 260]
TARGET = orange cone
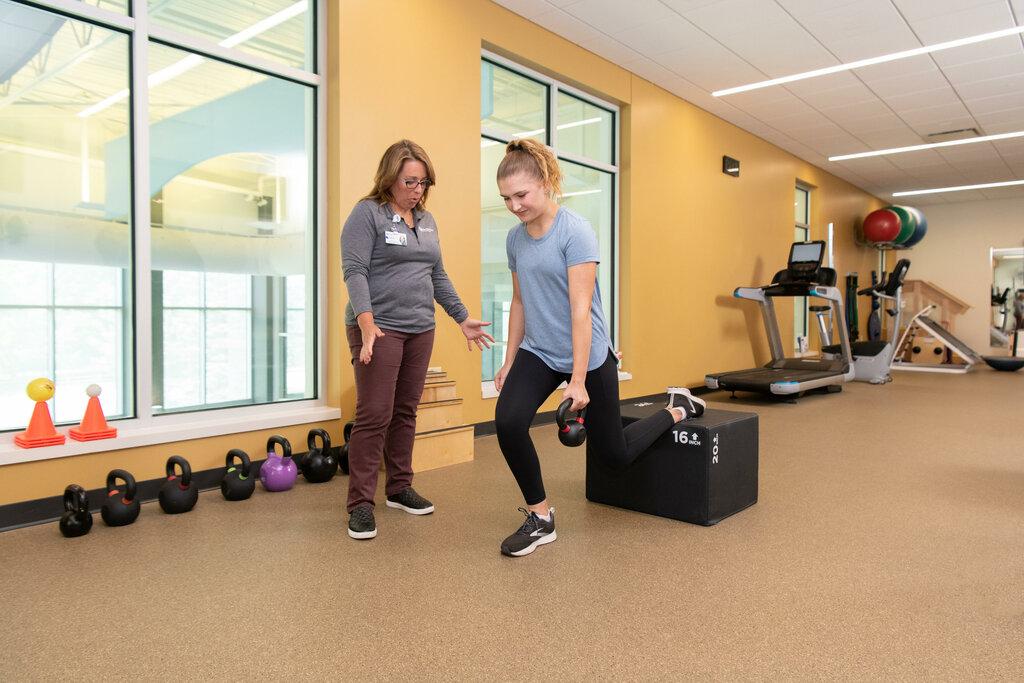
[94, 425]
[40, 430]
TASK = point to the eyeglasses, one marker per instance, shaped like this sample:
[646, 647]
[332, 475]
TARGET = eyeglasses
[411, 183]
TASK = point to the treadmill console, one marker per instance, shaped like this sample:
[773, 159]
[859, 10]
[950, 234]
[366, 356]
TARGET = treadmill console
[805, 260]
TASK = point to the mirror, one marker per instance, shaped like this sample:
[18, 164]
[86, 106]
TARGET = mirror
[1007, 295]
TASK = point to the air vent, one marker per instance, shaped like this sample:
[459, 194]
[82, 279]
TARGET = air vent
[947, 135]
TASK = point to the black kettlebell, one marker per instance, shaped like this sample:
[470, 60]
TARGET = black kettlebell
[178, 495]
[76, 520]
[346, 432]
[571, 431]
[319, 464]
[120, 509]
[237, 484]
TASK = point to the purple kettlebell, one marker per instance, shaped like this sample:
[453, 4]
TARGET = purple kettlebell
[278, 473]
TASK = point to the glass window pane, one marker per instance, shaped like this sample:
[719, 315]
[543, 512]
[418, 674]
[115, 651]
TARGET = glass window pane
[276, 30]
[585, 129]
[88, 345]
[236, 218]
[27, 339]
[589, 193]
[227, 356]
[512, 103]
[183, 290]
[495, 280]
[65, 188]
[183, 359]
[800, 206]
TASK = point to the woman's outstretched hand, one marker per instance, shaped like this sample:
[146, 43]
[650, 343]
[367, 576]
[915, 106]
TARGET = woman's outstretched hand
[475, 334]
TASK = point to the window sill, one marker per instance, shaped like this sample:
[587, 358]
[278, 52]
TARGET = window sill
[487, 389]
[192, 426]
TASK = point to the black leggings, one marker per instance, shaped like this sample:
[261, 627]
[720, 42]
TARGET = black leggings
[528, 384]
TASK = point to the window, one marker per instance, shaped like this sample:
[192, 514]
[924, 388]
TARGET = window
[582, 131]
[802, 233]
[158, 232]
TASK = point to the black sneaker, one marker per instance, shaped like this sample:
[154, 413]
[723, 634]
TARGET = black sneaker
[534, 532]
[411, 502]
[361, 524]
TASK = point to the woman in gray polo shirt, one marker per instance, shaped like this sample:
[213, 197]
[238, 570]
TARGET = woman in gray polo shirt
[391, 258]
[557, 333]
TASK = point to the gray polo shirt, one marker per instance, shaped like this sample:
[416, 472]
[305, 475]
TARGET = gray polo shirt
[394, 271]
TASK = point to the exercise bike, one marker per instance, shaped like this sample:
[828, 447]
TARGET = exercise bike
[871, 359]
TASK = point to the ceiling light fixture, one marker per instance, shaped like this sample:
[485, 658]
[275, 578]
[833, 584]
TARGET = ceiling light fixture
[959, 188]
[970, 40]
[930, 145]
[192, 61]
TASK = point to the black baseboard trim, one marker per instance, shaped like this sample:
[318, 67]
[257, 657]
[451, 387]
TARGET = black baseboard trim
[46, 510]
[548, 417]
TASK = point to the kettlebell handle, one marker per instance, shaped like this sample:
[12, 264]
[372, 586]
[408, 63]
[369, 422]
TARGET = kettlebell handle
[325, 438]
[563, 409]
[75, 499]
[277, 440]
[241, 456]
[346, 431]
[129, 483]
[186, 470]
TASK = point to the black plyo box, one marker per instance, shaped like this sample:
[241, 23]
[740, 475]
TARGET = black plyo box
[700, 471]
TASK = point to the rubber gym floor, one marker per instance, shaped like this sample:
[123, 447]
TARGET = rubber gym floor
[888, 542]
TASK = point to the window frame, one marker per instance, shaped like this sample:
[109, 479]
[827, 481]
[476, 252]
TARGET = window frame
[554, 86]
[147, 427]
[805, 227]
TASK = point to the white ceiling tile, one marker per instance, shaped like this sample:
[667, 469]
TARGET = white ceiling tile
[526, 8]
[733, 16]
[1003, 121]
[992, 87]
[1010, 148]
[614, 16]
[683, 6]
[1006, 65]
[922, 159]
[712, 68]
[611, 50]
[939, 118]
[874, 111]
[919, 100]
[567, 26]
[896, 39]
[998, 103]
[921, 65]
[968, 54]
[819, 92]
[884, 139]
[800, 8]
[967, 21]
[926, 128]
[915, 10]
[875, 18]
[1004, 192]
[778, 49]
[664, 35]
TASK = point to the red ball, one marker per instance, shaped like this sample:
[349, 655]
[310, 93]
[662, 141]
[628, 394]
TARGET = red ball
[882, 225]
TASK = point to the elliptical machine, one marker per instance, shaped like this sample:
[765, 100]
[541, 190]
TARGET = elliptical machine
[871, 359]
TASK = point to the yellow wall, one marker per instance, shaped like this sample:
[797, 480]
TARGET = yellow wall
[955, 256]
[689, 234]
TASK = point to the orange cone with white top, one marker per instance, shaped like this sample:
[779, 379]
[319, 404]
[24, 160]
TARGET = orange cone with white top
[94, 425]
[40, 430]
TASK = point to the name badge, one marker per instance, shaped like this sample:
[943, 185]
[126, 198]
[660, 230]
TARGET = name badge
[398, 238]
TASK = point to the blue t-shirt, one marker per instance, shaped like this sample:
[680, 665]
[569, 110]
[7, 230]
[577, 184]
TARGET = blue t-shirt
[542, 267]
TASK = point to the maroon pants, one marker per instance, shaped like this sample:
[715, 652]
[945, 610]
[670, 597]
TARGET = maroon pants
[388, 391]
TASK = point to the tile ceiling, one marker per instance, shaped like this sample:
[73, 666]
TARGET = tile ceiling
[692, 47]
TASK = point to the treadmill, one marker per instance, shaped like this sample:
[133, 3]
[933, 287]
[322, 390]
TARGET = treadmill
[791, 377]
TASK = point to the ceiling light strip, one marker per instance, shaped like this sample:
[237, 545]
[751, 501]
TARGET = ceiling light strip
[960, 42]
[958, 188]
[931, 145]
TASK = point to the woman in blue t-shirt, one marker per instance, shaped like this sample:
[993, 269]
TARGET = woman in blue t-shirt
[557, 333]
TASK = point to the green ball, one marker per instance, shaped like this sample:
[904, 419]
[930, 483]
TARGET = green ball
[908, 223]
